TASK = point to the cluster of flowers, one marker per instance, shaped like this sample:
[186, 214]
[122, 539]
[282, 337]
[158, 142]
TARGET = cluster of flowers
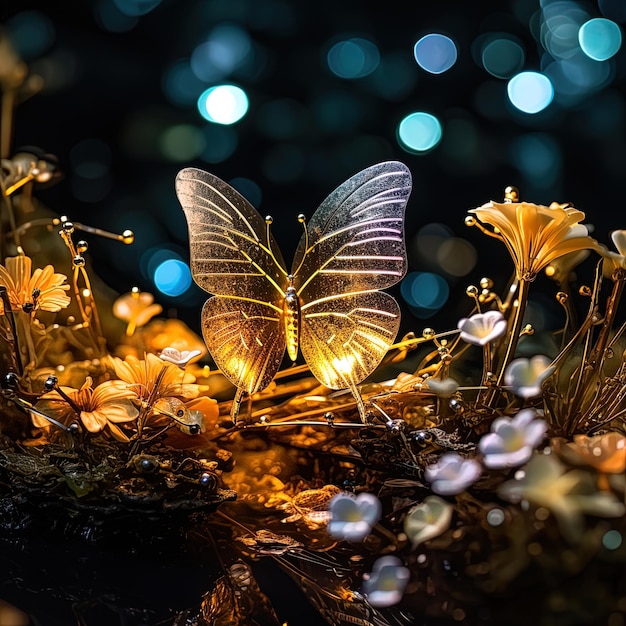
[540, 424]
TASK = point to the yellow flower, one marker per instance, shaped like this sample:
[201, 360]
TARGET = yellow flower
[103, 406]
[137, 308]
[536, 235]
[142, 376]
[43, 290]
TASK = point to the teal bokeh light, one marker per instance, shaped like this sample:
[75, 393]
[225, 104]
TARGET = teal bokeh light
[530, 92]
[353, 58]
[424, 292]
[419, 132]
[600, 39]
[223, 104]
[172, 277]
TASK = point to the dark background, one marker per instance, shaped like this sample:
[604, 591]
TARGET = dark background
[105, 110]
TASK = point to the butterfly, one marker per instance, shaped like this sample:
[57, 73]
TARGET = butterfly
[329, 306]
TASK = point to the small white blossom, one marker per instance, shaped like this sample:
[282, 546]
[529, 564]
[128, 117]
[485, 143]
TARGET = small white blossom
[386, 584]
[443, 388]
[512, 440]
[172, 355]
[526, 376]
[352, 517]
[428, 519]
[452, 474]
[482, 328]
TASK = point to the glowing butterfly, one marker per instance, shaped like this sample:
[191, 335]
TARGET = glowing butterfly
[329, 306]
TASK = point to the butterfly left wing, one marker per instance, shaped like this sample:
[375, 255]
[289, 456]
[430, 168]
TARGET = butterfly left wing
[234, 256]
[246, 339]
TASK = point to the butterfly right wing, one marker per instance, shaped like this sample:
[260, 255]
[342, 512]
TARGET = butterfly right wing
[232, 258]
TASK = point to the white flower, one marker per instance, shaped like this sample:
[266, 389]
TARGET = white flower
[482, 328]
[512, 440]
[443, 388]
[352, 517]
[172, 355]
[386, 584]
[428, 519]
[526, 376]
[569, 495]
[452, 474]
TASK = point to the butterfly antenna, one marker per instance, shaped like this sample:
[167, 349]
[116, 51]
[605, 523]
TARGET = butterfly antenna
[268, 223]
[302, 220]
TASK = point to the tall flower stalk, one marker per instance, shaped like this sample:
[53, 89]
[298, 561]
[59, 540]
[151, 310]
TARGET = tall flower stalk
[535, 235]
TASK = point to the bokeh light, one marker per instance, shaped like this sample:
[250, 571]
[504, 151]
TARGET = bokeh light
[111, 19]
[424, 292]
[181, 85]
[600, 39]
[502, 57]
[419, 132]
[353, 58]
[538, 157]
[223, 104]
[457, 257]
[530, 92]
[136, 7]
[435, 53]
[561, 20]
[223, 52]
[172, 277]
[612, 539]
[576, 78]
[182, 142]
[31, 33]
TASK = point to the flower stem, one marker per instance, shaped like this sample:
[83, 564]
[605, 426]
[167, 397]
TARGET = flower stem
[513, 336]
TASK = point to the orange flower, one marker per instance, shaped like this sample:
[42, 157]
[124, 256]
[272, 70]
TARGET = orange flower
[43, 290]
[536, 235]
[137, 308]
[142, 376]
[605, 453]
[103, 406]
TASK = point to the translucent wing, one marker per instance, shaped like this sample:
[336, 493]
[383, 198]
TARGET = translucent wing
[355, 246]
[233, 256]
[356, 237]
[344, 337]
[230, 253]
[246, 340]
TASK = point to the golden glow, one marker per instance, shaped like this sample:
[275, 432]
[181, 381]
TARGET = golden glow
[346, 255]
[535, 235]
[43, 289]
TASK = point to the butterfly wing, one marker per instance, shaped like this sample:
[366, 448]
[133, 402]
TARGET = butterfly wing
[246, 339]
[345, 337]
[355, 246]
[233, 256]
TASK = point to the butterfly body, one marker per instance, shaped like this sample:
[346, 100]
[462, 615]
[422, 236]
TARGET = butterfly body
[291, 316]
[329, 307]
